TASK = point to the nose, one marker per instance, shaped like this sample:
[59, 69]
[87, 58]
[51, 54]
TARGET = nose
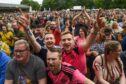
[65, 41]
[18, 53]
[50, 61]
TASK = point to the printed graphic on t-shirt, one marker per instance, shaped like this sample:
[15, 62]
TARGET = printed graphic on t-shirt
[23, 80]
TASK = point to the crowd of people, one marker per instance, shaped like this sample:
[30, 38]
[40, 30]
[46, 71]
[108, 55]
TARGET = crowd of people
[63, 47]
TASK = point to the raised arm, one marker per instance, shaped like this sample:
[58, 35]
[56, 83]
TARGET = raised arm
[24, 21]
[91, 37]
[75, 17]
[93, 33]
[58, 21]
[84, 13]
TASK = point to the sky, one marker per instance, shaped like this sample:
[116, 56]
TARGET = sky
[17, 1]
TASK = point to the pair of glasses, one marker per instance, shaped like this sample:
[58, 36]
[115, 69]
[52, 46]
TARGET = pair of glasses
[20, 51]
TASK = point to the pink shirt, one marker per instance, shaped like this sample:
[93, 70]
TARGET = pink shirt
[78, 60]
[67, 75]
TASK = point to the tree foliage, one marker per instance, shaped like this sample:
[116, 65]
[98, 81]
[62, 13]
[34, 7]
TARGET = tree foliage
[34, 4]
[65, 4]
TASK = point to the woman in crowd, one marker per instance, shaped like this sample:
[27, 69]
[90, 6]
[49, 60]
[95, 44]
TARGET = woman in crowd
[7, 36]
[108, 67]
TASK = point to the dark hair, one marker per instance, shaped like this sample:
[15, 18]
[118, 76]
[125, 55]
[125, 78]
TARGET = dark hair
[84, 30]
[107, 31]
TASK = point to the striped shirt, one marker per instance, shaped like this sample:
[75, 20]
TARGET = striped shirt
[114, 72]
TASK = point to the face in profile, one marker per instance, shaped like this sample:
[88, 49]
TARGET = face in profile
[53, 61]
[67, 42]
[21, 53]
[49, 40]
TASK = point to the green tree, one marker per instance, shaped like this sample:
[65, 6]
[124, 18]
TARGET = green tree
[57, 4]
[98, 3]
[34, 4]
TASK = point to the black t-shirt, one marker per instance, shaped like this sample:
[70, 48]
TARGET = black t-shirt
[43, 54]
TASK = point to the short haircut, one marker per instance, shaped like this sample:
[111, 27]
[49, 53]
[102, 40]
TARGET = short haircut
[48, 33]
[22, 41]
[66, 32]
[56, 49]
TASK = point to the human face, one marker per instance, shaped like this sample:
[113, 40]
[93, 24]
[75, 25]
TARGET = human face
[53, 25]
[54, 62]
[39, 31]
[21, 53]
[117, 52]
[81, 32]
[49, 40]
[67, 42]
[108, 36]
[4, 28]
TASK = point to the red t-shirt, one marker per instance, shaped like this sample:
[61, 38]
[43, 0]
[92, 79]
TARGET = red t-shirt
[77, 57]
[67, 75]
[57, 35]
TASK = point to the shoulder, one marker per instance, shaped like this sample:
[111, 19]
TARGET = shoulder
[68, 69]
[3, 56]
[36, 59]
[99, 58]
[98, 62]
[37, 62]
[12, 65]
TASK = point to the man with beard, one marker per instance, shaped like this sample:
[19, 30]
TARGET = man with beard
[62, 73]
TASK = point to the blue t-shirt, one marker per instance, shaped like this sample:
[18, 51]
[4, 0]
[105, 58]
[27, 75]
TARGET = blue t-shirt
[4, 59]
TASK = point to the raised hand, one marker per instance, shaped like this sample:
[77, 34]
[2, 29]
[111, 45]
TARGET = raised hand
[99, 20]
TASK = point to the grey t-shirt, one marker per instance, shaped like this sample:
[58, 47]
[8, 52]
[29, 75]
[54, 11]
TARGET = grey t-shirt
[29, 73]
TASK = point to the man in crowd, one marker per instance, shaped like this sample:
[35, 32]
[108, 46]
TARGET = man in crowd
[25, 67]
[63, 73]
